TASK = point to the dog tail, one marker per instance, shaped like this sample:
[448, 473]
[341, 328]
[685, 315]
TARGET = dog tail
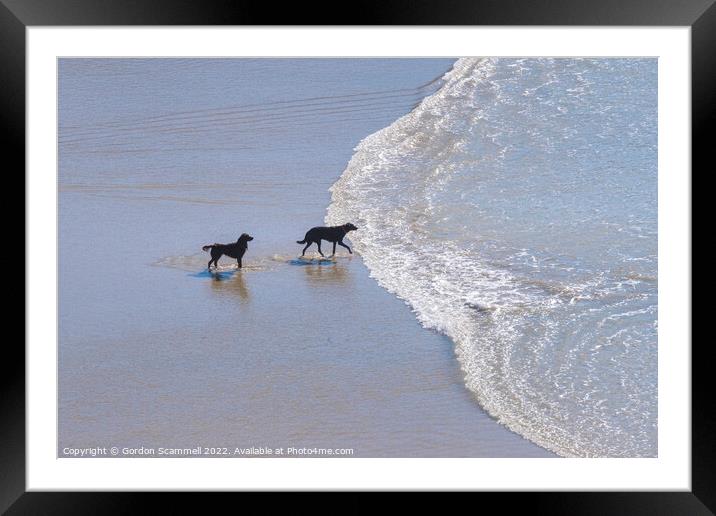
[301, 241]
[207, 247]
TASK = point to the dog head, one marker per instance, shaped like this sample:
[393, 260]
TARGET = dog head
[349, 227]
[245, 237]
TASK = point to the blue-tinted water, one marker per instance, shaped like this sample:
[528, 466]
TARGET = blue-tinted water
[513, 209]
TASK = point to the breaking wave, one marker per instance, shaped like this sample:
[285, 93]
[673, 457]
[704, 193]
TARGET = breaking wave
[514, 210]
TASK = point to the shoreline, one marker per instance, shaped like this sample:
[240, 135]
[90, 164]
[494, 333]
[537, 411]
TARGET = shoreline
[279, 354]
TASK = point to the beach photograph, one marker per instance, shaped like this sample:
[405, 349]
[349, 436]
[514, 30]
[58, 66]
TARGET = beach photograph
[357, 257]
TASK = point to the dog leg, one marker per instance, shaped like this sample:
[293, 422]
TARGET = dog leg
[238, 260]
[334, 249]
[319, 248]
[344, 245]
[209, 266]
[307, 246]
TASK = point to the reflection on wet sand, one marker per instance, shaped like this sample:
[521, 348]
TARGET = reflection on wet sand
[234, 284]
[327, 274]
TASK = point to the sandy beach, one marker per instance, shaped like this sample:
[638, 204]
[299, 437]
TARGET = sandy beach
[156, 352]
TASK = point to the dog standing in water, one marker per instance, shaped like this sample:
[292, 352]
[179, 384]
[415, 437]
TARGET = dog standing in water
[235, 250]
[333, 234]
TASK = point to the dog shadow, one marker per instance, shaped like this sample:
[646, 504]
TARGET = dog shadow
[312, 261]
[215, 275]
[234, 285]
[326, 273]
[229, 282]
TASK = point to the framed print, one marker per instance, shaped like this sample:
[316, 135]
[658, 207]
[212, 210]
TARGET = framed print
[445, 249]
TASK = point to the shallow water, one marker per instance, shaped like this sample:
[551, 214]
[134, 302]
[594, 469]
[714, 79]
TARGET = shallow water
[159, 157]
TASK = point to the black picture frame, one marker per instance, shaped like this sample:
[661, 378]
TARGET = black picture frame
[17, 15]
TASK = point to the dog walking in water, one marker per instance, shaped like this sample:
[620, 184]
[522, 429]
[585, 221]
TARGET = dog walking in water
[333, 234]
[235, 250]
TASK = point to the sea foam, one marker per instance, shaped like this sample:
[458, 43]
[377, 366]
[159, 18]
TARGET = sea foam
[504, 209]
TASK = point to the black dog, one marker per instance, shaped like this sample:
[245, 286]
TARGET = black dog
[235, 250]
[333, 234]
